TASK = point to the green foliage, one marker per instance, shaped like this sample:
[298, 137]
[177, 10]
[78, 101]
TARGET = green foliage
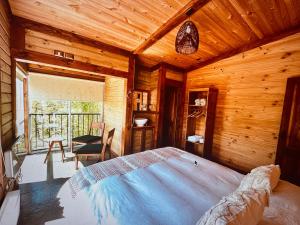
[62, 107]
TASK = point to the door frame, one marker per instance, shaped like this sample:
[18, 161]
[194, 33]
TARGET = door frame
[285, 118]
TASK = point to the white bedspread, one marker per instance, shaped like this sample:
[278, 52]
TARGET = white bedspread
[168, 192]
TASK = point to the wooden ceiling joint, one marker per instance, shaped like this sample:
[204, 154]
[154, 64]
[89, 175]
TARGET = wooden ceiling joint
[173, 22]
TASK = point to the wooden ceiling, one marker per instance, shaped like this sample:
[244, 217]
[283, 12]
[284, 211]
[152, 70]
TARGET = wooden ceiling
[125, 24]
[225, 26]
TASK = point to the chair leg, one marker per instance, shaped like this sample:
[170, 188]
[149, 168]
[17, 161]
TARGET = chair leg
[49, 151]
[62, 151]
[76, 162]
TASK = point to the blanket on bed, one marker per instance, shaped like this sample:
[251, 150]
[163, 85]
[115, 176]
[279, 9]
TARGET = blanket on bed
[90, 175]
[161, 186]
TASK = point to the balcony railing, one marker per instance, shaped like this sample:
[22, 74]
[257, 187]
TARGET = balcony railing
[43, 126]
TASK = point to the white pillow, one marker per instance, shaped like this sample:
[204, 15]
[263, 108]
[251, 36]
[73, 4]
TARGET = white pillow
[272, 171]
[263, 177]
[238, 208]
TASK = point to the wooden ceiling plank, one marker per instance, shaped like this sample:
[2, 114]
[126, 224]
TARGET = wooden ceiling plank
[174, 21]
[38, 58]
[230, 18]
[256, 10]
[95, 33]
[244, 15]
[86, 24]
[160, 11]
[64, 73]
[218, 35]
[271, 10]
[94, 19]
[28, 24]
[141, 26]
[294, 15]
[282, 10]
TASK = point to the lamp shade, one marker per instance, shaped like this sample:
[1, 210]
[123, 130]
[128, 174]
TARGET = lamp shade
[187, 39]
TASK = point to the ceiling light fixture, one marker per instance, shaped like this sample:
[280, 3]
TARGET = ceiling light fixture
[187, 38]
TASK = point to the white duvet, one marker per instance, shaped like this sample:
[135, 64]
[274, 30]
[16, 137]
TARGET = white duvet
[169, 192]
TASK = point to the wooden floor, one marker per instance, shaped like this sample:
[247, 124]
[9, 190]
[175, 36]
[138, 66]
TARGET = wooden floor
[39, 186]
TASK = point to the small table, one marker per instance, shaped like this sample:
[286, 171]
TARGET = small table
[56, 139]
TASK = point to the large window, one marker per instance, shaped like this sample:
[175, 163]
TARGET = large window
[57, 117]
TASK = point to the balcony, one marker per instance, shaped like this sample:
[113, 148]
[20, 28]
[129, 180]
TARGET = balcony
[44, 126]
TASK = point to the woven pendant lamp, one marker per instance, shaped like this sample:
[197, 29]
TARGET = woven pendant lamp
[187, 39]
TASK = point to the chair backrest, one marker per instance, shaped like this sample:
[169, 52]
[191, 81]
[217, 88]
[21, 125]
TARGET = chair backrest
[97, 125]
[110, 137]
[107, 144]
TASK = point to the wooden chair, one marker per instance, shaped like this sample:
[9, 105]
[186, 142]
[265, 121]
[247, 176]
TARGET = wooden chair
[95, 149]
[89, 138]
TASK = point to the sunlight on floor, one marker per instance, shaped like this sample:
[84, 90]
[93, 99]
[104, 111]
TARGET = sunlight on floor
[34, 169]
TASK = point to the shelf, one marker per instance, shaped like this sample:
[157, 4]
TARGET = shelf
[144, 127]
[196, 143]
[149, 112]
[197, 105]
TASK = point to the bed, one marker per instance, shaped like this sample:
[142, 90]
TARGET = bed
[164, 186]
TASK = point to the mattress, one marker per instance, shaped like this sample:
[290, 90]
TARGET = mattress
[164, 186]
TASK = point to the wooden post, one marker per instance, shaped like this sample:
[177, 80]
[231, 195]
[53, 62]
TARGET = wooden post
[26, 115]
[130, 88]
[161, 101]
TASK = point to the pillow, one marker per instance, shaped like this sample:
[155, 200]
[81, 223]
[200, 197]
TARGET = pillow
[238, 208]
[263, 177]
[272, 171]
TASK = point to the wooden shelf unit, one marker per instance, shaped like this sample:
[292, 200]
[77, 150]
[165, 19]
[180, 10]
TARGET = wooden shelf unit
[200, 120]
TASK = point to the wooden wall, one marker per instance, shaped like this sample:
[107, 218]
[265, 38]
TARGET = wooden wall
[44, 43]
[174, 75]
[251, 93]
[114, 111]
[6, 78]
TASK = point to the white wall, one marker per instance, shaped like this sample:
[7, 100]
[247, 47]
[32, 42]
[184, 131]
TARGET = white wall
[47, 87]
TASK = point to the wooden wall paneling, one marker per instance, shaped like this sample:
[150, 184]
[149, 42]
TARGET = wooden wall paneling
[143, 79]
[247, 47]
[129, 105]
[114, 111]
[64, 73]
[7, 80]
[49, 60]
[69, 36]
[6, 131]
[174, 75]
[44, 43]
[251, 92]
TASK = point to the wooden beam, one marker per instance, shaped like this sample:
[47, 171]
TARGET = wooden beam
[32, 25]
[26, 115]
[65, 73]
[38, 58]
[14, 99]
[129, 106]
[161, 102]
[248, 47]
[168, 66]
[178, 18]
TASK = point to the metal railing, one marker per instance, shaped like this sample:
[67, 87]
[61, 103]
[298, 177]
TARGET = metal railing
[44, 126]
